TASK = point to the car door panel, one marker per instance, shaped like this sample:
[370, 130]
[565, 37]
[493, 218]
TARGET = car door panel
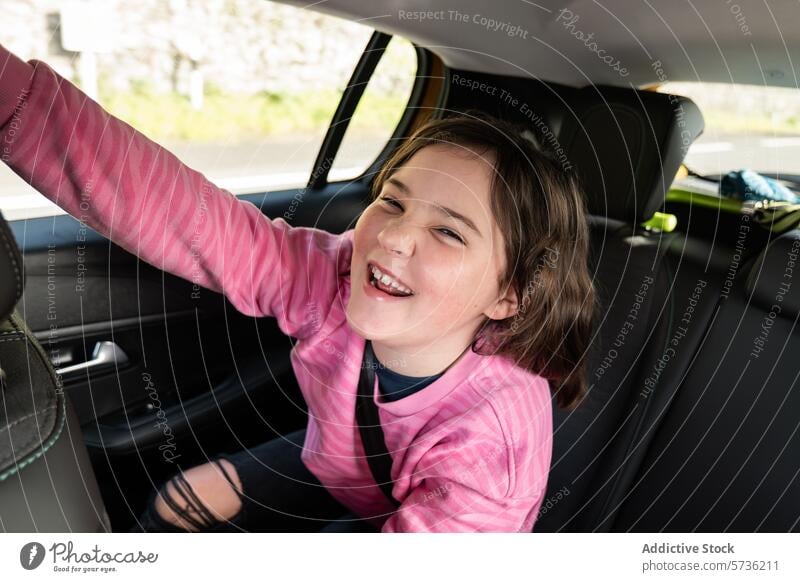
[200, 377]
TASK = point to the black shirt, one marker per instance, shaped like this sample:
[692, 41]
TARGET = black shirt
[394, 386]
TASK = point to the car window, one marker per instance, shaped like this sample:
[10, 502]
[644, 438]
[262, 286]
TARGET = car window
[378, 112]
[746, 127]
[242, 91]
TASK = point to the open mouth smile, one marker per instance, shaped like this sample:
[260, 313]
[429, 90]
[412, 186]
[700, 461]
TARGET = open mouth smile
[383, 282]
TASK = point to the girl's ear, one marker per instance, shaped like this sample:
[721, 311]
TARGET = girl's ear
[505, 306]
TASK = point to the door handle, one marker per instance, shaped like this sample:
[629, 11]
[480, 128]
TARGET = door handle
[105, 354]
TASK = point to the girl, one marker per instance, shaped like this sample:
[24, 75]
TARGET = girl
[467, 273]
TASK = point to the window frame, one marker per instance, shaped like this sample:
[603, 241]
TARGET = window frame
[351, 97]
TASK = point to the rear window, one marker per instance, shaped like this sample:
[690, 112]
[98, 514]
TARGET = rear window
[746, 127]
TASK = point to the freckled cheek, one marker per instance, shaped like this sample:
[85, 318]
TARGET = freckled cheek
[367, 230]
[366, 235]
[449, 309]
[470, 293]
[447, 292]
[449, 277]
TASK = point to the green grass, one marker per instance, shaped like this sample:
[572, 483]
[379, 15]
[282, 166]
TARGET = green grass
[232, 118]
[754, 124]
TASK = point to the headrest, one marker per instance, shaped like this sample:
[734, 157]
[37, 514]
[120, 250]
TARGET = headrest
[774, 281]
[627, 145]
[11, 274]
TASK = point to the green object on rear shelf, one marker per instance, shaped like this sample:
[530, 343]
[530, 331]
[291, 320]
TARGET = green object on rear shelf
[707, 200]
[777, 216]
[662, 221]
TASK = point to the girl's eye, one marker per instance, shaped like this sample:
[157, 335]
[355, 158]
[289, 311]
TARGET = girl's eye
[451, 234]
[392, 201]
[445, 231]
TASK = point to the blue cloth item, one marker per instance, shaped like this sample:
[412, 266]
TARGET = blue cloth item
[394, 386]
[749, 185]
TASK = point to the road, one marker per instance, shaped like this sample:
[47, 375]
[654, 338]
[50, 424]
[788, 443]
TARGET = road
[286, 163]
[241, 168]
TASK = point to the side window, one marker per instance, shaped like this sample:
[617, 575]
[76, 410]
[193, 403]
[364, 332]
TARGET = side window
[242, 91]
[378, 112]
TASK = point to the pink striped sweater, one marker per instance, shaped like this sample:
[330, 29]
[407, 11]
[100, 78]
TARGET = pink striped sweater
[470, 452]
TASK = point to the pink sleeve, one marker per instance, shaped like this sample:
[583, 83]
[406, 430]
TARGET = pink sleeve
[462, 485]
[125, 186]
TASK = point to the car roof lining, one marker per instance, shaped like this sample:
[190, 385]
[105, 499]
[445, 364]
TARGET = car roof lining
[655, 41]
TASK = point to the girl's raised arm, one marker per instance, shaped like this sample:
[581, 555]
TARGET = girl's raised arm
[132, 191]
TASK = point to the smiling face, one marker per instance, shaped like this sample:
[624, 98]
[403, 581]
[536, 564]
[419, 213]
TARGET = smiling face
[411, 233]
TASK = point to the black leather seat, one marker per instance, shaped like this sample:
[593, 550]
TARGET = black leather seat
[626, 146]
[47, 483]
[694, 427]
[726, 454]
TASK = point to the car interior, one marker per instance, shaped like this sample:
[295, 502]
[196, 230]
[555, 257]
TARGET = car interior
[692, 415]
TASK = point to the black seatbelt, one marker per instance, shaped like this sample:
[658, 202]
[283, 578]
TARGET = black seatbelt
[369, 424]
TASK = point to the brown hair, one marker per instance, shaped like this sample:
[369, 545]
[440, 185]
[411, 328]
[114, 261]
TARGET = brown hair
[540, 209]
